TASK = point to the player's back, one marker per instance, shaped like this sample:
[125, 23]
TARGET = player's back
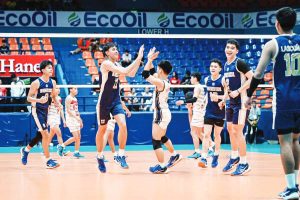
[286, 73]
[161, 97]
[54, 109]
[45, 89]
[109, 87]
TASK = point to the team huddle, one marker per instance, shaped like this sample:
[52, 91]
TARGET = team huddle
[224, 97]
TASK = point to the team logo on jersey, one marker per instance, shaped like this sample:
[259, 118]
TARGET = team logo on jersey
[44, 125]
[213, 84]
[46, 85]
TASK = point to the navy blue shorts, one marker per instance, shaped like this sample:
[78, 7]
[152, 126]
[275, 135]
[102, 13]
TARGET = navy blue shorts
[40, 118]
[286, 122]
[236, 114]
[105, 111]
[213, 121]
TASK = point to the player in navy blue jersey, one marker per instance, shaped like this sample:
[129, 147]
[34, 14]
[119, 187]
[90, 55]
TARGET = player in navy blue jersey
[284, 50]
[215, 113]
[237, 77]
[40, 97]
[109, 101]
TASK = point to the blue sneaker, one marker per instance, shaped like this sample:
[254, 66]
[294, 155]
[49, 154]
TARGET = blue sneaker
[65, 152]
[60, 150]
[290, 193]
[214, 162]
[174, 160]
[121, 160]
[202, 163]
[24, 155]
[195, 155]
[241, 170]
[101, 165]
[157, 169]
[210, 152]
[51, 164]
[231, 164]
[78, 155]
[280, 195]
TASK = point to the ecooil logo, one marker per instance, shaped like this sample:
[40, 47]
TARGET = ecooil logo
[163, 20]
[247, 21]
[73, 19]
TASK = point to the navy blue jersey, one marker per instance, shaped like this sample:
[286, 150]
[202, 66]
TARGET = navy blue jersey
[109, 88]
[214, 86]
[234, 74]
[286, 95]
[45, 89]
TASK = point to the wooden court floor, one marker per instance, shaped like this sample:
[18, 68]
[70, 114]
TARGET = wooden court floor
[80, 179]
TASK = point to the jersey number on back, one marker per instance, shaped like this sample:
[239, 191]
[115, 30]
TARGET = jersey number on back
[292, 61]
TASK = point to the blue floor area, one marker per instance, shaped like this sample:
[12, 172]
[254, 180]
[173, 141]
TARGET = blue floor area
[259, 148]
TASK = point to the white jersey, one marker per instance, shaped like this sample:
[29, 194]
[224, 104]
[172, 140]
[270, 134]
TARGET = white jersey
[73, 107]
[162, 115]
[54, 113]
[199, 105]
[54, 110]
[161, 97]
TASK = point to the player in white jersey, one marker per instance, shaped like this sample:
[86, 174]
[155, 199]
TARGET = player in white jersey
[73, 121]
[162, 114]
[197, 122]
[56, 112]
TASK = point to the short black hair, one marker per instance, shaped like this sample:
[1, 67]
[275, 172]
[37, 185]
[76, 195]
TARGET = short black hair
[187, 72]
[165, 66]
[234, 42]
[45, 63]
[287, 18]
[107, 46]
[215, 60]
[197, 75]
[13, 75]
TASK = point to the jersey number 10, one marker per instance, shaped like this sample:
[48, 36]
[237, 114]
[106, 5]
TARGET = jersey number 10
[292, 64]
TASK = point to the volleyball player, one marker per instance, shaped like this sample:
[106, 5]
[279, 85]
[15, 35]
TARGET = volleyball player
[74, 123]
[285, 51]
[238, 76]
[162, 114]
[109, 101]
[54, 114]
[39, 97]
[215, 113]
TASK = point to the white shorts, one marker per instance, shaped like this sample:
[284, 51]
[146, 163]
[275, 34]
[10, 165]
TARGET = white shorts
[198, 119]
[111, 125]
[162, 118]
[73, 125]
[53, 121]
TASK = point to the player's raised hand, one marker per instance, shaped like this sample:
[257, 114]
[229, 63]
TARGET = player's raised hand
[152, 55]
[141, 52]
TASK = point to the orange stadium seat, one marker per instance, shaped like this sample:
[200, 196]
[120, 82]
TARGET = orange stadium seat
[12, 41]
[27, 53]
[39, 53]
[14, 53]
[268, 76]
[48, 47]
[93, 70]
[25, 47]
[90, 63]
[36, 47]
[13, 47]
[86, 55]
[34, 41]
[46, 41]
[98, 55]
[49, 53]
[24, 41]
